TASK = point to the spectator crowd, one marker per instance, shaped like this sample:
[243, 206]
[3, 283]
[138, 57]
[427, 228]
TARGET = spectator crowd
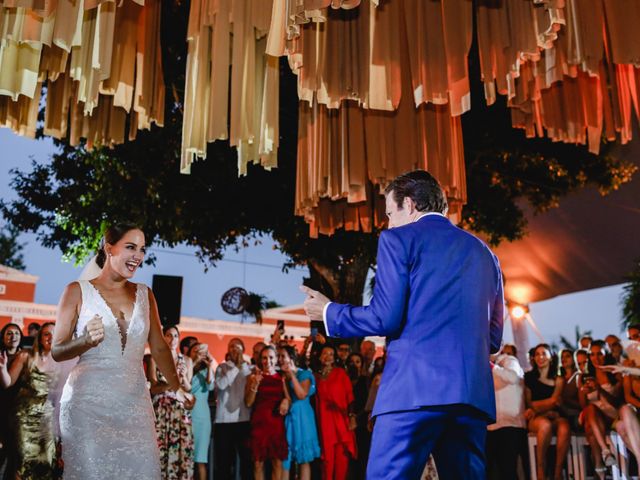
[590, 391]
[281, 412]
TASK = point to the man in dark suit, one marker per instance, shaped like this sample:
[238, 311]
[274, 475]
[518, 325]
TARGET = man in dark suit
[438, 299]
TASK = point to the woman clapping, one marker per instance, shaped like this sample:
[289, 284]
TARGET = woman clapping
[265, 393]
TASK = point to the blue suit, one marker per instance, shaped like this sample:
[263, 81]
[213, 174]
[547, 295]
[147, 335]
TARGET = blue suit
[438, 299]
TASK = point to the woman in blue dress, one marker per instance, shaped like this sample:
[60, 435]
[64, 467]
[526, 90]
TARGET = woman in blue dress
[300, 422]
[201, 384]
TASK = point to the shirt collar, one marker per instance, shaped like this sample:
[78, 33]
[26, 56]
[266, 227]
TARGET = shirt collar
[429, 213]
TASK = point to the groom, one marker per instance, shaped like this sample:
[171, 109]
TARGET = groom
[438, 299]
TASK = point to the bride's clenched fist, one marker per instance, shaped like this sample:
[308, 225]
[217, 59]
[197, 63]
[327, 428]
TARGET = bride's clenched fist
[94, 331]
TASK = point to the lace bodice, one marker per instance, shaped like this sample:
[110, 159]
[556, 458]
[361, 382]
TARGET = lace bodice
[111, 349]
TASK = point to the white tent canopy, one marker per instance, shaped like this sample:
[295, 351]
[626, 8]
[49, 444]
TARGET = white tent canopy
[590, 241]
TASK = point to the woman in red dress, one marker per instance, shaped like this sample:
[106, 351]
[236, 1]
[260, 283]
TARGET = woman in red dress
[265, 393]
[336, 420]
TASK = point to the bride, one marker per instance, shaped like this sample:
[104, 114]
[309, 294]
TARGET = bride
[106, 418]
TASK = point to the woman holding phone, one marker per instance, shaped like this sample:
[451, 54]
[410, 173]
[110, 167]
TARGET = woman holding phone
[202, 383]
[600, 395]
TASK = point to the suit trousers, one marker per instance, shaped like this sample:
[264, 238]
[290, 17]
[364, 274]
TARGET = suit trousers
[402, 442]
[230, 441]
[504, 446]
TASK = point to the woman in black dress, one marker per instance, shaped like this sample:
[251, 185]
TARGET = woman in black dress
[543, 397]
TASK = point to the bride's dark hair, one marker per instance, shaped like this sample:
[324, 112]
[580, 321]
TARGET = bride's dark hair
[113, 235]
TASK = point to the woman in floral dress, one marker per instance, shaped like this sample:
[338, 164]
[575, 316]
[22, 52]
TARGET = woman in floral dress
[173, 416]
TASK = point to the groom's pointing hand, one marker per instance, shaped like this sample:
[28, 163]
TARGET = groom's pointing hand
[314, 303]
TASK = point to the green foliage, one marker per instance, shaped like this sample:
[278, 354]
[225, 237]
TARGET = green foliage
[631, 298]
[68, 201]
[256, 303]
[503, 178]
[11, 247]
[271, 304]
[507, 171]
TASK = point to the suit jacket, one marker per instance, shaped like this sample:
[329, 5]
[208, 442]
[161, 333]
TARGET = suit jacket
[438, 298]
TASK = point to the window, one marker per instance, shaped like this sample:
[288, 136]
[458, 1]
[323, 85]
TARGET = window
[3, 289]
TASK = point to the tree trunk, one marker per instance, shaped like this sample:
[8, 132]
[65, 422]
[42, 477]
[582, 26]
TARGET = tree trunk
[344, 284]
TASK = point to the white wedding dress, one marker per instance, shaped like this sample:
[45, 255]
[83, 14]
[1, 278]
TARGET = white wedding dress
[106, 417]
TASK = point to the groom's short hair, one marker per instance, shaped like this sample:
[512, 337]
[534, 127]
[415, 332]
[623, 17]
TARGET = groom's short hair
[421, 187]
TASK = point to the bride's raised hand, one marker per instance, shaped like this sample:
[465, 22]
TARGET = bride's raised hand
[94, 331]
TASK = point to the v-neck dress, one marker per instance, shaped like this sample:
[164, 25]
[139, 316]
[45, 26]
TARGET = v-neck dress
[106, 417]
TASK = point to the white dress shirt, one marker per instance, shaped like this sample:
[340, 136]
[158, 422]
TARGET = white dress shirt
[324, 309]
[508, 381]
[230, 385]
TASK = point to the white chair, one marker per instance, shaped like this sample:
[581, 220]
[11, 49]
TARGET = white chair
[620, 471]
[580, 442]
[619, 450]
[573, 470]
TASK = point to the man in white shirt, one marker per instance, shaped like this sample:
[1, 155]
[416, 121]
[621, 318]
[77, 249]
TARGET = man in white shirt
[232, 415]
[507, 438]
